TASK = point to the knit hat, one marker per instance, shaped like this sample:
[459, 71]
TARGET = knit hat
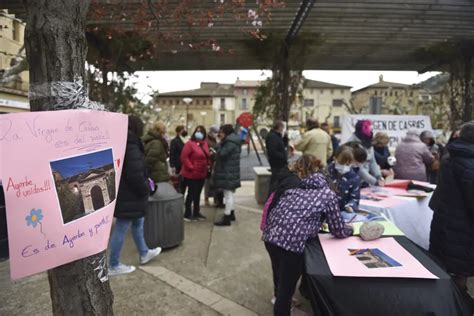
[363, 131]
[214, 129]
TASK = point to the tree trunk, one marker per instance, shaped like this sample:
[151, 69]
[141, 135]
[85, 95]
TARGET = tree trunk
[56, 51]
[467, 111]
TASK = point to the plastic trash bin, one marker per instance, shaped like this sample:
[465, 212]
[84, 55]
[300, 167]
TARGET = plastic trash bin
[164, 223]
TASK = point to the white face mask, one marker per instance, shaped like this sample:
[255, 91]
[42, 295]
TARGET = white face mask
[342, 169]
[199, 136]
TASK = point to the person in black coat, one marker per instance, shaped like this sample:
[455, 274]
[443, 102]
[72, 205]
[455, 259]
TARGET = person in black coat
[132, 200]
[276, 151]
[227, 170]
[452, 227]
[176, 147]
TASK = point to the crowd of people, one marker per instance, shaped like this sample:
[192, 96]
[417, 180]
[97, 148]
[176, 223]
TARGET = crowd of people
[323, 186]
[207, 159]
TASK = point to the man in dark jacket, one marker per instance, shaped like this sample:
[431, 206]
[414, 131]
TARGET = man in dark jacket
[452, 228]
[176, 147]
[131, 202]
[227, 170]
[276, 151]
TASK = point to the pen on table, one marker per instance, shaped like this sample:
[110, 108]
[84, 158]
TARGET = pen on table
[358, 251]
[355, 215]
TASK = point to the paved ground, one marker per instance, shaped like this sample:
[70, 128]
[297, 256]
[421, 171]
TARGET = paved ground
[215, 271]
[248, 161]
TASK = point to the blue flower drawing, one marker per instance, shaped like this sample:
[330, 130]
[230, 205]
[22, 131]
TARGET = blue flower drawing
[34, 218]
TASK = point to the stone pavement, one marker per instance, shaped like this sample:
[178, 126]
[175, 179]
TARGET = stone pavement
[216, 271]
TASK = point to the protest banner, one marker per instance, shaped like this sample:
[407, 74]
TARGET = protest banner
[396, 126]
[60, 172]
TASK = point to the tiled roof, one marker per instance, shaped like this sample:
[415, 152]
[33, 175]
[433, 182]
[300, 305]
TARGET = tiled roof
[314, 84]
[207, 89]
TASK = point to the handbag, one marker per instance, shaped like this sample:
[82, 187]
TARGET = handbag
[209, 169]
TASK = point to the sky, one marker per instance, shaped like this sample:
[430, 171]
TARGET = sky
[75, 165]
[166, 81]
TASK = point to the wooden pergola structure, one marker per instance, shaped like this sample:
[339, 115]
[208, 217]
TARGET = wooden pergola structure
[339, 34]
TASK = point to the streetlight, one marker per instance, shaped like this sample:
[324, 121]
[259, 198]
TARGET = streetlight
[187, 101]
[203, 114]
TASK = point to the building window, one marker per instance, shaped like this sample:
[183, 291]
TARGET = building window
[198, 102]
[375, 92]
[311, 91]
[244, 92]
[336, 122]
[243, 104]
[332, 91]
[411, 93]
[342, 91]
[222, 119]
[222, 105]
[391, 93]
[190, 117]
[396, 93]
[308, 102]
[16, 31]
[375, 105]
[337, 102]
[386, 93]
[322, 91]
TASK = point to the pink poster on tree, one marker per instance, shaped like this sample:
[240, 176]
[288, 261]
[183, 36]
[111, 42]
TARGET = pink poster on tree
[60, 172]
[383, 258]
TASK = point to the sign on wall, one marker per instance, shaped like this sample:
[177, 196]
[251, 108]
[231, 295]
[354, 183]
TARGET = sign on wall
[396, 126]
[60, 172]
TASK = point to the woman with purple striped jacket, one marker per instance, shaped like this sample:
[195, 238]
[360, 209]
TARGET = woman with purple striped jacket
[296, 217]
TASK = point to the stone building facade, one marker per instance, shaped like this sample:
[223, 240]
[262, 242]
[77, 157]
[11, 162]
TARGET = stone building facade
[13, 95]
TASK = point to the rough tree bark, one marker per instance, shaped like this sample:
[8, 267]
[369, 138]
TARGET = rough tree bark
[56, 51]
[467, 111]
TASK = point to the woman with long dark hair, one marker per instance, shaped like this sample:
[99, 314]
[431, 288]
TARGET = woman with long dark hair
[195, 162]
[132, 199]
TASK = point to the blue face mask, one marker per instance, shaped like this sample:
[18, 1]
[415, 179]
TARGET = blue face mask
[199, 136]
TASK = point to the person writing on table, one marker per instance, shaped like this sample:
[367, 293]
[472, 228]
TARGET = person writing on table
[297, 217]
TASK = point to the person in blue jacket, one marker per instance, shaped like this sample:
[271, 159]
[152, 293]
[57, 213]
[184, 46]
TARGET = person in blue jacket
[345, 179]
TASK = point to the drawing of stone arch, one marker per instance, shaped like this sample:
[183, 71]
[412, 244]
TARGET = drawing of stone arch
[93, 189]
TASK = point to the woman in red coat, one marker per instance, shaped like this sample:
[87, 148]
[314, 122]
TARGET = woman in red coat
[194, 169]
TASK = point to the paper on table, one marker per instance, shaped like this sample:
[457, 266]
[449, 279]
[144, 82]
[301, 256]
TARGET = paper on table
[390, 228]
[61, 171]
[342, 263]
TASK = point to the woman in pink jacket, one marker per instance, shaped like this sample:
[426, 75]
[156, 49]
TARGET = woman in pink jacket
[195, 160]
[413, 156]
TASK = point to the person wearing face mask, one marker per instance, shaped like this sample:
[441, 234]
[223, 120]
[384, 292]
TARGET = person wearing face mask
[157, 152]
[345, 179]
[195, 161]
[176, 147]
[227, 170]
[211, 140]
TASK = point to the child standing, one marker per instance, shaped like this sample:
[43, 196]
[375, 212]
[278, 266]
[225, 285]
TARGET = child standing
[345, 179]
